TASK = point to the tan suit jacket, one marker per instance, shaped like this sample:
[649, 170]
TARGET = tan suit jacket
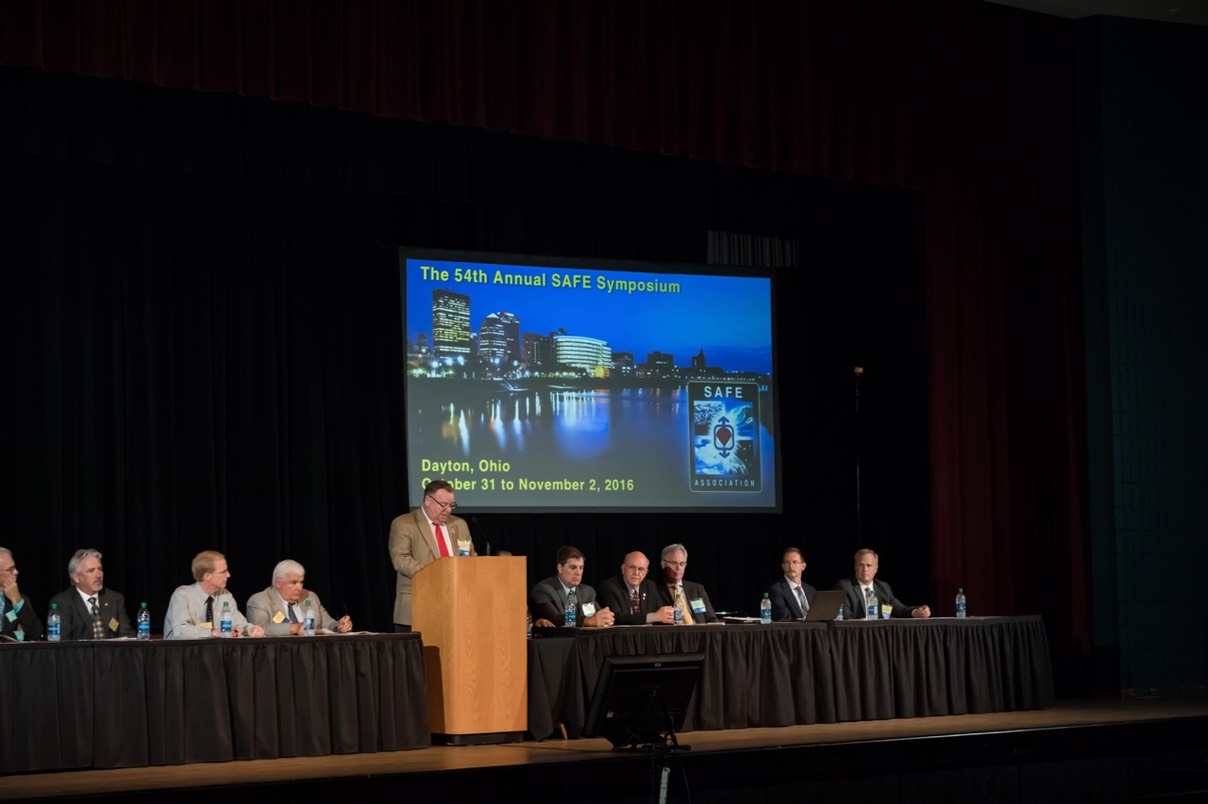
[413, 547]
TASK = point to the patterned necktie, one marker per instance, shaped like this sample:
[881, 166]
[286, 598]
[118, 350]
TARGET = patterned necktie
[440, 540]
[870, 601]
[635, 603]
[682, 605]
[98, 628]
[289, 607]
[802, 602]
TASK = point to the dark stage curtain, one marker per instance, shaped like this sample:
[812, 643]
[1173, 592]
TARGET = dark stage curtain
[968, 105]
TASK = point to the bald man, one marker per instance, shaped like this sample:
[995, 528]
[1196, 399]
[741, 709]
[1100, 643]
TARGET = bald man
[632, 597]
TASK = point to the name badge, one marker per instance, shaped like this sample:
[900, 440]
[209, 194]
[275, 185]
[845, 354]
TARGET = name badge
[113, 624]
[698, 606]
[278, 618]
[589, 609]
[207, 626]
[886, 611]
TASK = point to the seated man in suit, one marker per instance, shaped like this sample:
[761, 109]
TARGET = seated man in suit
[550, 597]
[791, 597]
[89, 610]
[688, 596]
[863, 590]
[18, 620]
[632, 597]
[279, 609]
[195, 610]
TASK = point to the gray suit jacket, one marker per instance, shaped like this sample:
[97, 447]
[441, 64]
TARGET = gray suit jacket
[413, 547]
[263, 608]
[76, 619]
[549, 601]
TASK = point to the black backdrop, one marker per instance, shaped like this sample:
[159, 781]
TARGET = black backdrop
[201, 314]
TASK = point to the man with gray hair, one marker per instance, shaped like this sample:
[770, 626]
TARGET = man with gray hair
[279, 609]
[866, 594]
[89, 610]
[689, 597]
[18, 620]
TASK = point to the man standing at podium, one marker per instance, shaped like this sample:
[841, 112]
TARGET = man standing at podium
[422, 536]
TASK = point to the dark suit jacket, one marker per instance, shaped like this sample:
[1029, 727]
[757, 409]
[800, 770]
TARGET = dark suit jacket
[549, 601]
[77, 620]
[854, 607]
[784, 602]
[692, 591]
[614, 593]
[27, 618]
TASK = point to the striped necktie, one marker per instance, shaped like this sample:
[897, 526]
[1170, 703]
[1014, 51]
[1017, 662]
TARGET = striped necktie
[802, 602]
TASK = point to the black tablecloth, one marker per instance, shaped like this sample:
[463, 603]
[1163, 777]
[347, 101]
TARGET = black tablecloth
[124, 703]
[799, 673]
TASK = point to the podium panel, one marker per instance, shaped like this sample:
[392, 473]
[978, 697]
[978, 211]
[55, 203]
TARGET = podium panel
[470, 612]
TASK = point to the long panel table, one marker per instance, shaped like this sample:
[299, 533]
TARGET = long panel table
[119, 703]
[800, 673]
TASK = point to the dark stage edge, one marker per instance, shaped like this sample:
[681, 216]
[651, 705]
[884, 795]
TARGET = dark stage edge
[1158, 759]
[486, 738]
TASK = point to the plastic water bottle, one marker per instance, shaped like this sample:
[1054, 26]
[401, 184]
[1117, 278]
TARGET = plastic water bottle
[224, 624]
[144, 622]
[872, 611]
[961, 608]
[765, 610]
[54, 624]
[839, 616]
[308, 618]
[528, 624]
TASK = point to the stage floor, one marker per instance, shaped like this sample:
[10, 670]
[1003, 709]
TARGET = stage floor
[447, 761]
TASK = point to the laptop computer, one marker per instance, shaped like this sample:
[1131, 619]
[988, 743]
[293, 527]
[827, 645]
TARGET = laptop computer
[825, 605]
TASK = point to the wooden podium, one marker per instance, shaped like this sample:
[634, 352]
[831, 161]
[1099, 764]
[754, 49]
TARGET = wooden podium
[470, 612]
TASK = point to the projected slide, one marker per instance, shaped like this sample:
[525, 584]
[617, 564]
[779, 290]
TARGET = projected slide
[589, 385]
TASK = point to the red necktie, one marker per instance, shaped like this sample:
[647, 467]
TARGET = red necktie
[440, 540]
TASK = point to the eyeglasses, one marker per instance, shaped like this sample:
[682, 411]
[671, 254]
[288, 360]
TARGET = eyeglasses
[632, 568]
[9, 569]
[678, 564]
[449, 506]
